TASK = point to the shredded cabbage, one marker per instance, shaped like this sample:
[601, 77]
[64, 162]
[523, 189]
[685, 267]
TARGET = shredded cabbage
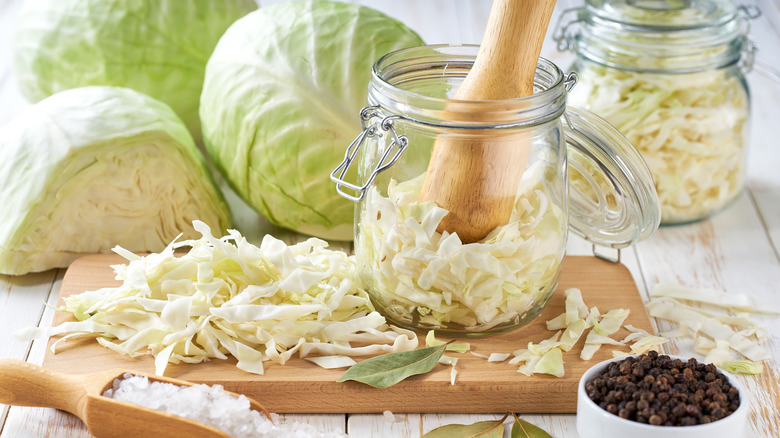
[546, 357]
[712, 328]
[431, 341]
[421, 278]
[742, 367]
[228, 297]
[498, 357]
[690, 128]
[713, 297]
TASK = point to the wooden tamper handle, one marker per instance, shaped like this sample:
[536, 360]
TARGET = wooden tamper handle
[475, 178]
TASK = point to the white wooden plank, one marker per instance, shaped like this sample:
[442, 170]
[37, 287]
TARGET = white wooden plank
[43, 422]
[764, 155]
[728, 253]
[376, 426]
[26, 422]
[326, 423]
[555, 425]
[11, 99]
[21, 305]
[414, 425]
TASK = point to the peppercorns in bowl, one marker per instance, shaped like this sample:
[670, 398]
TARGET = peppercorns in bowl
[651, 395]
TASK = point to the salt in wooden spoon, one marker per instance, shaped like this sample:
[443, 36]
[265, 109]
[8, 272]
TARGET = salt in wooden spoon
[25, 384]
[476, 177]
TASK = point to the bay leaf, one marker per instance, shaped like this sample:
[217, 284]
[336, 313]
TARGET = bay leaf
[388, 369]
[524, 429]
[482, 429]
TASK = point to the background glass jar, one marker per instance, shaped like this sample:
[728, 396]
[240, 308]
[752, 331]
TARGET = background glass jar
[669, 75]
[424, 279]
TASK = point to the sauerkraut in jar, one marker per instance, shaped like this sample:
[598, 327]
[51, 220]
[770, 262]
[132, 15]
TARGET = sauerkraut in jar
[690, 128]
[432, 280]
[670, 76]
[421, 276]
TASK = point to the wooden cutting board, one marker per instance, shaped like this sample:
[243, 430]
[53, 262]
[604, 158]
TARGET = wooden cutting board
[302, 387]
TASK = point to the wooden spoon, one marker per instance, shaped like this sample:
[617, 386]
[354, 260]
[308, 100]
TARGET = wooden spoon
[476, 178]
[25, 384]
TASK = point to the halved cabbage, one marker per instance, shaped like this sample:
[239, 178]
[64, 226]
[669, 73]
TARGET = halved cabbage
[94, 167]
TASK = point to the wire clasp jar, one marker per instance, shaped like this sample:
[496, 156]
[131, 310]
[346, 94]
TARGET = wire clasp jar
[580, 174]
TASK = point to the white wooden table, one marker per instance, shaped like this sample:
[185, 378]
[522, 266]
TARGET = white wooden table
[737, 251]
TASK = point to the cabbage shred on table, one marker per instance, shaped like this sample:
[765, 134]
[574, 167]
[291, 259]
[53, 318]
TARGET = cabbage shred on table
[690, 129]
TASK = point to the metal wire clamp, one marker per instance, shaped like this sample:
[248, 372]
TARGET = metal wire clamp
[376, 129]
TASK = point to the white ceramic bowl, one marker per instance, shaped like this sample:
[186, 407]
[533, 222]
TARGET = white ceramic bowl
[595, 422]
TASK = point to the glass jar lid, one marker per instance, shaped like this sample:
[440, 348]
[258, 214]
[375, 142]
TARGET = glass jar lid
[657, 35]
[664, 15]
[612, 198]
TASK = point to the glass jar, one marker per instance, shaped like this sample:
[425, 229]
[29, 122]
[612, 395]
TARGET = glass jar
[422, 278]
[669, 74]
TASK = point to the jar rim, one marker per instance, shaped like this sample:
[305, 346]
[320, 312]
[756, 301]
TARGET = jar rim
[658, 35]
[393, 75]
[664, 15]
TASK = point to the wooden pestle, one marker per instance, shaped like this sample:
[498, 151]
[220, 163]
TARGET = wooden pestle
[476, 178]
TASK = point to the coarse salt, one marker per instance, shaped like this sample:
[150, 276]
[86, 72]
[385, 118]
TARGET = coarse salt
[209, 405]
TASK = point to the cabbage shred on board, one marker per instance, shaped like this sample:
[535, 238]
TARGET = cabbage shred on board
[225, 297]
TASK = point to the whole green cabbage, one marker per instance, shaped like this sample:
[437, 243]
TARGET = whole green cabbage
[90, 168]
[157, 47]
[280, 105]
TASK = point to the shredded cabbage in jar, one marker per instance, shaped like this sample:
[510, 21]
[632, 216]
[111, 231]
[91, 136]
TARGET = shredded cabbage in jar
[424, 279]
[690, 129]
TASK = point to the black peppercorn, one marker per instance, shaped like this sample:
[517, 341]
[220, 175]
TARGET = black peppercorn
[659, 390]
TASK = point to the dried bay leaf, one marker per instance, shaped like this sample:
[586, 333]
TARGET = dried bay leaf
[482, 429]
[388, 369]
[524, 429]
